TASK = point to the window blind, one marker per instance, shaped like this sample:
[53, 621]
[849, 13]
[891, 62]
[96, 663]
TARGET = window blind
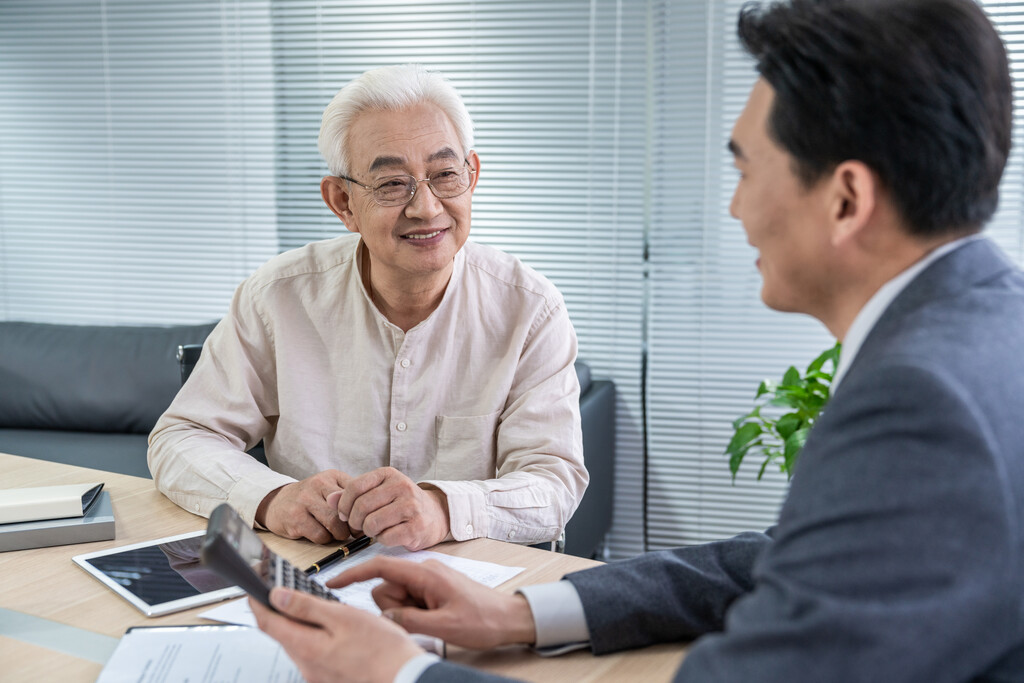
[153, 154]
[136, 158]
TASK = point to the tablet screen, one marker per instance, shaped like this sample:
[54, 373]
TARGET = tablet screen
[159, 576]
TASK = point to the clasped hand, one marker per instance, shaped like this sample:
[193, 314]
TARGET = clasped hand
[391, 507]
[383, 503]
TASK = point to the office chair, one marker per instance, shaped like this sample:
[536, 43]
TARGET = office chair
[188, 356]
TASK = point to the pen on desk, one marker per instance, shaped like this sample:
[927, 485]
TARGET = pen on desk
[341, 553]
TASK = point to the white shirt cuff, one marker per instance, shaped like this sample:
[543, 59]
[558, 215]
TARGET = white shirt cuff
[410, 673]
[558, 615]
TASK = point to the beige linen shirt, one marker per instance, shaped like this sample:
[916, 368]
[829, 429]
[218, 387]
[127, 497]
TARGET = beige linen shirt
[480, 399]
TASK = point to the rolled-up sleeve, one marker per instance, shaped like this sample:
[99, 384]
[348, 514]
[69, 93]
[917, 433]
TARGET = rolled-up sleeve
[197, 448]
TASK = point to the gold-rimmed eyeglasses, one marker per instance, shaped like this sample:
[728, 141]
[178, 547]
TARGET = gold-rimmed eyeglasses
[398, 190]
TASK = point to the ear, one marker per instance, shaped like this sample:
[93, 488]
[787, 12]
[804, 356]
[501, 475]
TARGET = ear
[855, 192]
[334, 190]
[474, 163]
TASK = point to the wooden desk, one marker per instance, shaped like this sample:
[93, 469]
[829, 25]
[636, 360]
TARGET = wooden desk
[44, 583]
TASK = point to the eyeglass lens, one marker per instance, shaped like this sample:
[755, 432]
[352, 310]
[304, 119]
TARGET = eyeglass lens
[445, 184]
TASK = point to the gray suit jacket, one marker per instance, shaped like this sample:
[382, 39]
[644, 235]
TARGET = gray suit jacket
[899, 552]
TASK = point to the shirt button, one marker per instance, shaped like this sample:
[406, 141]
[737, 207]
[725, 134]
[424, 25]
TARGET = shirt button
[512, 534]
[197, 507]
[469, 528]
[405, 363]
[401, 426]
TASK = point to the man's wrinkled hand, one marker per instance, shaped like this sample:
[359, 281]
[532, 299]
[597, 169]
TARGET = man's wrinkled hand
[301, 510]
[434, 599]
[393, 509]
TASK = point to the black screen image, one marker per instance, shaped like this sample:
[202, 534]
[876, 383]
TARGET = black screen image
[161, 573]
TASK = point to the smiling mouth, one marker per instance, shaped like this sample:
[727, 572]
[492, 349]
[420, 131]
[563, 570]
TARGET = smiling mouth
[424, 236]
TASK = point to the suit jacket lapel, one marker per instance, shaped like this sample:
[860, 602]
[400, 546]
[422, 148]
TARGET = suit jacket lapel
[968, 266]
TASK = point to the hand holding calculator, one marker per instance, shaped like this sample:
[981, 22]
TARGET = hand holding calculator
[233, 550]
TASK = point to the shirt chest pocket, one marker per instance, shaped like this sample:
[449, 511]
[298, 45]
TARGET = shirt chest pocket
[466, 446]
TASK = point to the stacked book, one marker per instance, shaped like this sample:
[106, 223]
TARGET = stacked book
[54, 515]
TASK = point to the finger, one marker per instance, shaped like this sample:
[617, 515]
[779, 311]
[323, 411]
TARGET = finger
[341, 479]
[319, 521]
[417, 620]
[311, 528]
[388, 514]
[389, 595]
[281, 628]
[397, 498]
[405, 533]
[297, 522]
[315, 612]
[327, 517]
[358, 486]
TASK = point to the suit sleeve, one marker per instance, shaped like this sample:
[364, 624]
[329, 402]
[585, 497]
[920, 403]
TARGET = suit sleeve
[666, 596]
[892, 559]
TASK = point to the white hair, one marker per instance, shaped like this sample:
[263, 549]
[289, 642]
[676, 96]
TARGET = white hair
[388, 88]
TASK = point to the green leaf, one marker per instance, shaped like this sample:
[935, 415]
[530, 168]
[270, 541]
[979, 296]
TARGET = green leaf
[801, 400]
[794, 444]
[734, 463]
[760, 472]
[792, 376]
[829, 355]
[780, 439]
[813, 405]
[787, 424]
[737, 458]
[785, 401]
[743, 436]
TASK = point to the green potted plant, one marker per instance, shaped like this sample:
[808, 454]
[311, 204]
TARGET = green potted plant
[783, 415]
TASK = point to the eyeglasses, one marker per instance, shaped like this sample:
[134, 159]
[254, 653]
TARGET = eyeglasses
[398, 190]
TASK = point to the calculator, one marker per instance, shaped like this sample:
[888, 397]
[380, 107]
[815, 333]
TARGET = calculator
[232, 549]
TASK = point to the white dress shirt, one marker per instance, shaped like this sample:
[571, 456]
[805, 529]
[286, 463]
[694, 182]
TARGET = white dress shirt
[481, 399]
[557, 609]
[876, 305]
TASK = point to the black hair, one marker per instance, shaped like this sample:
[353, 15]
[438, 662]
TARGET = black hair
[918, 90]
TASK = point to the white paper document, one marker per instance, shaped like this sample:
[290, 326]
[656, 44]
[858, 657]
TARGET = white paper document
[359, 594]
[202, 654]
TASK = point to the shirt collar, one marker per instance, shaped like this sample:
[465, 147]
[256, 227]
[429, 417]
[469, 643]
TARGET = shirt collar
[876, 305]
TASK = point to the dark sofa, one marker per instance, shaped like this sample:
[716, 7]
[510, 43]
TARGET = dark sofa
[89, 395]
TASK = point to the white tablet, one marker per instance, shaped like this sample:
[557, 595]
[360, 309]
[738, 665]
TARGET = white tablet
[160, 576]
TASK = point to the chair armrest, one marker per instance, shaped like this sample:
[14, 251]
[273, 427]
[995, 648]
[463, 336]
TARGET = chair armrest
[593, 518]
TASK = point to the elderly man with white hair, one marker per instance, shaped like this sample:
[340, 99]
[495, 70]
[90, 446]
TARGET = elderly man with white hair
[407, 383]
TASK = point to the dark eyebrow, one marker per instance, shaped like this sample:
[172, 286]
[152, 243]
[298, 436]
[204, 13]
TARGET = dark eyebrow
[446, 153]
[735, 150]
[385, 162]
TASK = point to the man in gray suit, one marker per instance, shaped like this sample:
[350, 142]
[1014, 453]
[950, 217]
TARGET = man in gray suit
[870, 154]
